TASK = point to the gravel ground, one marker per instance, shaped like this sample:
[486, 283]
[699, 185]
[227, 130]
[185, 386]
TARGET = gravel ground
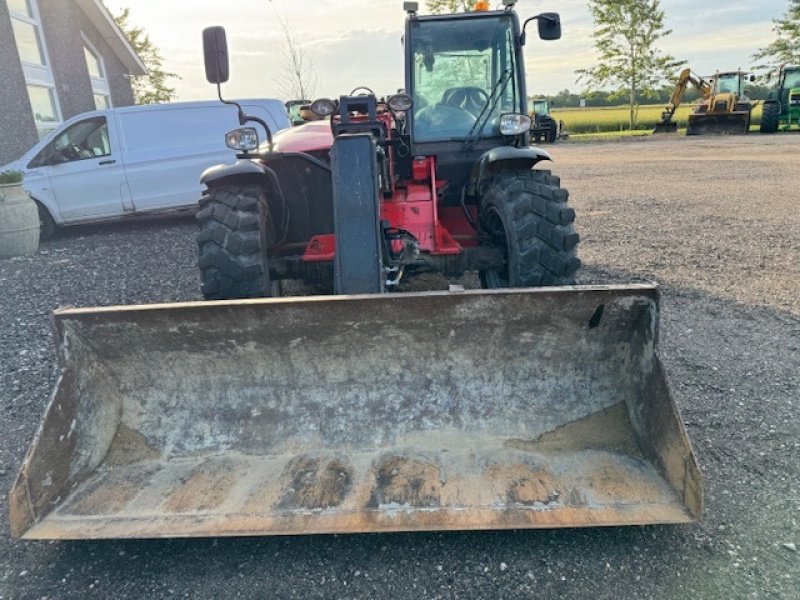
[716, 221]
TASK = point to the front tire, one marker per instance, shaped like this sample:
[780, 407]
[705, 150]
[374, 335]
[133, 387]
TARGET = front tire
[526, 213]
[47, 226]
[769, 117]
[235, 232]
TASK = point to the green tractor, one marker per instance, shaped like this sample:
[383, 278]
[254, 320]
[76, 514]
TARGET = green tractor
[545, 128]
[294, 110]
[782, 106]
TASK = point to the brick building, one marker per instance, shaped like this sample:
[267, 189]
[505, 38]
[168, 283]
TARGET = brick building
[58, 58]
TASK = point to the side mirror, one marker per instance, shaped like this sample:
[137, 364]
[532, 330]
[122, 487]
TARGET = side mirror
[549, 26]
[215, 52]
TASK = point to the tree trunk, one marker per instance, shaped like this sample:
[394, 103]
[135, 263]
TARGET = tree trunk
[632, 104]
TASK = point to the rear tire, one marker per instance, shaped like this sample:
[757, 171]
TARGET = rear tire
[526, 213]
[769, 117]
[235, 232]
[552, 132]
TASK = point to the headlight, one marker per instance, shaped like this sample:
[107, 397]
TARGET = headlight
[514, 124]
[400, 102]
[244, 139]
[324, 107]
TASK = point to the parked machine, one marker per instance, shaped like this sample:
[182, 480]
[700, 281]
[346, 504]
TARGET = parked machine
[723, 108]
[545, 128]
[782, 106]
[294, 109]
[515, 406]
[724, 111]
[686, 78]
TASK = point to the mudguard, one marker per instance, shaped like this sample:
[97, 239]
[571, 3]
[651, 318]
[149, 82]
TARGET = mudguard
[242, 171]
[506, 156]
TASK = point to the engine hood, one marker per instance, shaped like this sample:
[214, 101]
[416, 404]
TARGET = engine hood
[305, 138]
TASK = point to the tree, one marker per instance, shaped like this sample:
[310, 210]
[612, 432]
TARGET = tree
[450, 6]
[786, 47]
[150, 88]
[625, 35]
[297, 79]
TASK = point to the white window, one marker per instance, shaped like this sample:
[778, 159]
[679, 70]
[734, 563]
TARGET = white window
[97, 75]
[27, 27]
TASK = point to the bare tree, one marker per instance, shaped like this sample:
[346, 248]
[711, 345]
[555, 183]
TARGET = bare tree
[297, 79]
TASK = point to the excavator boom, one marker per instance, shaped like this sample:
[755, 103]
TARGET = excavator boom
[667, 125]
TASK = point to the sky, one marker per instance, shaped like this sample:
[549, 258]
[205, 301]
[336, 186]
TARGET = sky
[358, 42]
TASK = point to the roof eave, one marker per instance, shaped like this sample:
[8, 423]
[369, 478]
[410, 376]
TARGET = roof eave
[104, 22]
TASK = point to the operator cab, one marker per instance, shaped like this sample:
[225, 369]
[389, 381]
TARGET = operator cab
[733, 82]
[464, 74]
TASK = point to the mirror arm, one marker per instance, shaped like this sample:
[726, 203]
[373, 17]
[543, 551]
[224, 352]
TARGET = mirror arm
[245, 118]
[264, 125]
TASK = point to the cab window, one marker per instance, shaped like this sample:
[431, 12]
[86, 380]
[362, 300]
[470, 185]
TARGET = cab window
[81, 141]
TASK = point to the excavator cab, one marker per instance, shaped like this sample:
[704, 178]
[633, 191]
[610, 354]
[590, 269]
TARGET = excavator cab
[723, 112]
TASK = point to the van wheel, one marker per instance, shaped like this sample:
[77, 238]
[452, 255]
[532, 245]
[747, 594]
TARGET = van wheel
[47, 226]
[235, 232]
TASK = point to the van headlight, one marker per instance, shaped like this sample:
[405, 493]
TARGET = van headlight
[244, 139]
[514, 124]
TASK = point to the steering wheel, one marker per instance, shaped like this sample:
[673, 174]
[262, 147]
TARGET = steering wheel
[73, 152]
[364, 88]
[471, 99]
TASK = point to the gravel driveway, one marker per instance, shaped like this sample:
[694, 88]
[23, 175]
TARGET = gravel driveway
[715, 220]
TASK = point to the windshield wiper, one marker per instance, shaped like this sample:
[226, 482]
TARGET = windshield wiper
[488, 108]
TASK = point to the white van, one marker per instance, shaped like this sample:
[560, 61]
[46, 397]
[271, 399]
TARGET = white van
[125, 161]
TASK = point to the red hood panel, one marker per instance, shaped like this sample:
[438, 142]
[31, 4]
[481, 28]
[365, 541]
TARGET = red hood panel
[305, 138]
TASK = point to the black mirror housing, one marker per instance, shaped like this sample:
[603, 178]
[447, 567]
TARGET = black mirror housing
[549, 26]
[215, 52]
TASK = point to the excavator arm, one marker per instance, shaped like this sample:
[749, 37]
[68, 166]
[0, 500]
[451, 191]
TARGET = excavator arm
[685, 79]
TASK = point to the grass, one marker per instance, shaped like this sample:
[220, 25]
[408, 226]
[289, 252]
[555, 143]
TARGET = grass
[614, 119]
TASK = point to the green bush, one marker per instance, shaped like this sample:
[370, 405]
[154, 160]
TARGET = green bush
[10, 177]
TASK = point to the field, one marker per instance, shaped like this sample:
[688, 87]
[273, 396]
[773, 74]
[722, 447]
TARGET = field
[615, 118]
[719, 233]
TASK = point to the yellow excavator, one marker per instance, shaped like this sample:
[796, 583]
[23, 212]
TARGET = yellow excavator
[723, 109]
[686, 78]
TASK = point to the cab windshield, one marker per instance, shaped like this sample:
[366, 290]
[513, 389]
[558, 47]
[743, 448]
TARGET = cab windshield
[539, 107]
[464, 76]
[730, 84]
[792, 79]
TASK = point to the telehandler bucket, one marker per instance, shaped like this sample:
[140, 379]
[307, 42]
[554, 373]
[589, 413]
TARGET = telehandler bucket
[396, 412]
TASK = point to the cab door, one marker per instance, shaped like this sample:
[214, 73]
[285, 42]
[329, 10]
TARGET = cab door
[86, 172]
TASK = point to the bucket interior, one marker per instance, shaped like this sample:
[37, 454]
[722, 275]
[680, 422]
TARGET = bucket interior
[430, 411]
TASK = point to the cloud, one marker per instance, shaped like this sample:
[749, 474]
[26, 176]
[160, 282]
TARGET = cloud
[357, 42]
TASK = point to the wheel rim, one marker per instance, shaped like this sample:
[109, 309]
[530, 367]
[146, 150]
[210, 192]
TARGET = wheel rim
[497, 278]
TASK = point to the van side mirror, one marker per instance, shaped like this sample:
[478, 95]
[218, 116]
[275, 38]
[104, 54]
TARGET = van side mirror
[215, 52]
[550, 26]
